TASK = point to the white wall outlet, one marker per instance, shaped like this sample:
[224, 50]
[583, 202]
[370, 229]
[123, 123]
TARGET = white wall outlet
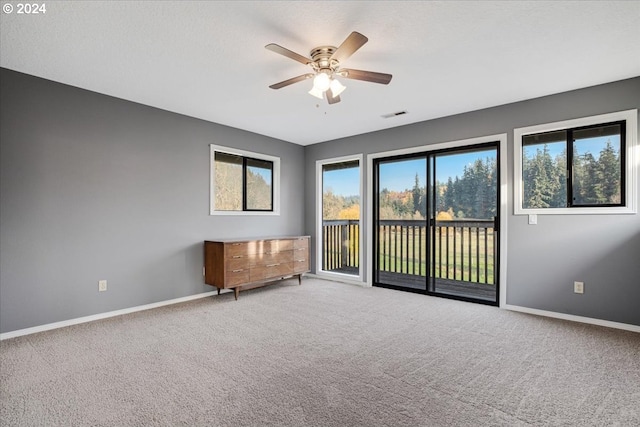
[102, 285]
[578, 287]
[533, 219]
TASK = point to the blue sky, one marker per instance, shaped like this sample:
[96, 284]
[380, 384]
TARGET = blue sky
[587, 145]
[399, 176]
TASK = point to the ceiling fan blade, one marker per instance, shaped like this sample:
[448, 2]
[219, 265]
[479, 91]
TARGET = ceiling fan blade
[352, 43]
[332, 99]
[288, 53]
[367, 76]
[291, 81]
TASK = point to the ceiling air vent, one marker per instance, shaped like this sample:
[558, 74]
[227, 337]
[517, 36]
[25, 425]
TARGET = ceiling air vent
[388, 116]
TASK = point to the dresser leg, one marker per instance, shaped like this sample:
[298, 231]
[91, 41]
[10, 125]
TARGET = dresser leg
[236, 291]
[218, 291]
[299, 279]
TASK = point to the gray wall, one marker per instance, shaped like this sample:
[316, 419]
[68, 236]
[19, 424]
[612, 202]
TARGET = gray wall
[544, 260]
[94, 187]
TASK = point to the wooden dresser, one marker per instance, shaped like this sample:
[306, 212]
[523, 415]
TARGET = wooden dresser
[246, 264]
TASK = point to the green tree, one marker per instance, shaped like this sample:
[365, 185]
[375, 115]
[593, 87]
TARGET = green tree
[419, 199]
[541, 180]
[448, 197]
[587, 182]
[609, 165]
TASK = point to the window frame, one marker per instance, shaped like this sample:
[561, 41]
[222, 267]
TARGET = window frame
[348, 278]
[275, 190]
[628, 157]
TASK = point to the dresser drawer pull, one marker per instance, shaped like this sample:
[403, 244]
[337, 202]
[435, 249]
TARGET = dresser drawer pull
[272, 265]
[236, 271]
[236, 244]
[301, 260]
[237, 256]
[301, 249]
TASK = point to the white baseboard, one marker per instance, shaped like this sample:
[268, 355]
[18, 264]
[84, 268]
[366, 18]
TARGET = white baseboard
[70, 322]
[573, 318]
[64, 323]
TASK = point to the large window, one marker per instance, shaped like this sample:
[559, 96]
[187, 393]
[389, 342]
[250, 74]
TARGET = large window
[579, 166]
[243, 182]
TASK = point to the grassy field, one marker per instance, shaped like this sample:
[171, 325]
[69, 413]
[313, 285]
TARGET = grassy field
[465, 254]
[461, 253]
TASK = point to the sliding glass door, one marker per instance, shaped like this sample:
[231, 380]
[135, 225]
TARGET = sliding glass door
[401, 216]
[436, 216]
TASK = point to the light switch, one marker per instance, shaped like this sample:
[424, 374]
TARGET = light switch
[533, 219]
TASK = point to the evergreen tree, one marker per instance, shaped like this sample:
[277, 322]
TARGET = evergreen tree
[418, 197]
[541, 180]
[560, 175]
[609, 165]
[449, 196]
[590, 181]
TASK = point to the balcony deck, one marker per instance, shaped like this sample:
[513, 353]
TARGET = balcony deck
[451, 287]
[458, 250]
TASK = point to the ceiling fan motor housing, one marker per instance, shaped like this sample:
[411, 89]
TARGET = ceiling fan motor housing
[321, 57]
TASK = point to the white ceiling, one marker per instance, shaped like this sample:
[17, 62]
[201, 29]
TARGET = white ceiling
[207, 59]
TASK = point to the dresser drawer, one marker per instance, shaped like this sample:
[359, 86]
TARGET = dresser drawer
[236, 277]
[299, 253]
[236, 250]
[284, 245]
[241, 263]
[301, 243]
[271, 271]
[270, 246]
[301, 265]
[262, 260]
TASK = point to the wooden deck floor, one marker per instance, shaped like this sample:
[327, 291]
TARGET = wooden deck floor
[457, 288]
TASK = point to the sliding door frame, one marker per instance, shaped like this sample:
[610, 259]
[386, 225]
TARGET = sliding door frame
[501, 139]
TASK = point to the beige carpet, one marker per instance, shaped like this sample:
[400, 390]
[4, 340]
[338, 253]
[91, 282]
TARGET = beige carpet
[322, 354]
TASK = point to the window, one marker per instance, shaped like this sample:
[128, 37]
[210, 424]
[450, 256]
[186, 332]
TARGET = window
[243, 182]
[578, 166]
[339, 214]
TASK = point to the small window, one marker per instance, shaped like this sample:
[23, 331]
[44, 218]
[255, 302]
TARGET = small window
[576, 169]
[243, 182]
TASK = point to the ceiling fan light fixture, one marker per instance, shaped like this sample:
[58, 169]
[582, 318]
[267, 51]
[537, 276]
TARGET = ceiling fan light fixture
[336, 87]
[321, 82]
[316, 92]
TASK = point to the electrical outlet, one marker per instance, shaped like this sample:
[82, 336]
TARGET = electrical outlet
[102, 285]
[578, 287]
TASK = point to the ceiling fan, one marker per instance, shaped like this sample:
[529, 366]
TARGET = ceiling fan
[326, 61]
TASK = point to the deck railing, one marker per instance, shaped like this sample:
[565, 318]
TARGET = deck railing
[464, 249]
[341, 247]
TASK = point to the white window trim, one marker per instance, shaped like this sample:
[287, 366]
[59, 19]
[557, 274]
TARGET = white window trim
[276, 180]
[319, 271]
[502, 235]
[631, 167]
